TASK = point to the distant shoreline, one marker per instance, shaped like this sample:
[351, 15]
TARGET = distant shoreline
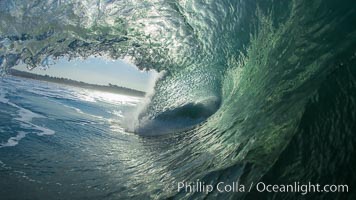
[64, 81]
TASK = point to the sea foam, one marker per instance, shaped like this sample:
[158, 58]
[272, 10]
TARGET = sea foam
[25, 118]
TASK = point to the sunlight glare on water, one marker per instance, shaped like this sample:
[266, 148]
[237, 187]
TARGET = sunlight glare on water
[114, 98]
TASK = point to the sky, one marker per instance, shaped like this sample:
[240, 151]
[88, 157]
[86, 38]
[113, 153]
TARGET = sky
[99, 71]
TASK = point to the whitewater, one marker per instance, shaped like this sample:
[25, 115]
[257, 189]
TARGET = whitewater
[249, 91]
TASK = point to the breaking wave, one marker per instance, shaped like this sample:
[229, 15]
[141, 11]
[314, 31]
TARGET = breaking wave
[242, 80]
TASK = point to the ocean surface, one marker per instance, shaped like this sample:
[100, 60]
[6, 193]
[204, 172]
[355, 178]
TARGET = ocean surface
[64, 142]
[249, 91]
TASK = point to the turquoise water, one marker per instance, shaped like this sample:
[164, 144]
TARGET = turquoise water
[58, 140]
[251, 91]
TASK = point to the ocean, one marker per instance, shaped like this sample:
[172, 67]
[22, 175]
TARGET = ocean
[56, 139]
[249, 91]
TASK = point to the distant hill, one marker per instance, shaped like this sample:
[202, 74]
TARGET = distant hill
[109, 88]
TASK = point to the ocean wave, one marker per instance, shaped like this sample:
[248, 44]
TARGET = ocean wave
[261, 62]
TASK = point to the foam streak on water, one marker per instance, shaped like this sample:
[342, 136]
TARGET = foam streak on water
[25, 117]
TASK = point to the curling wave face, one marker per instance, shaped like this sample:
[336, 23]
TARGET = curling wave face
[239, 74]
